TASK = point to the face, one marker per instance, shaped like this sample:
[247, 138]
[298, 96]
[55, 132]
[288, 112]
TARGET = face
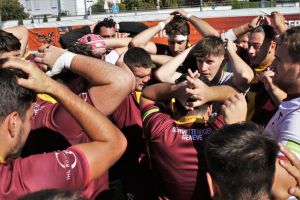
[142, 76]
[286, 72]
[176, 46]
[258, 50]
[10, 54]
[209, 66]
[106, 32]
[23, 129]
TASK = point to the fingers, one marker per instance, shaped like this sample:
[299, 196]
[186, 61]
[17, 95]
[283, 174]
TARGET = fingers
[292, 168]
[234, 109]
[295, 191]
[194, 104]
[291, 156]
[43, 47]
[17, 63]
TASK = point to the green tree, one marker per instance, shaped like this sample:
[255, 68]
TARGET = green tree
[12, 9]
[98, 7]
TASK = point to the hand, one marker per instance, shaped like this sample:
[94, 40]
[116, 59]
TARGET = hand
[37, 79]
[170, 18]
[235, 109]
[181, 12]
[196, 90]
[259, 20]
[267, 78]
[231, 46]
[293, 168]
[279, 21]
[48, 55]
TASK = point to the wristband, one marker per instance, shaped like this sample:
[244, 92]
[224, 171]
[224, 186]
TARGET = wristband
[162, 25]
[230, 35]
[188, 16]
[64, 61]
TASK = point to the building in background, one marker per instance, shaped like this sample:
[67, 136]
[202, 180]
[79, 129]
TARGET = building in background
[51, 7]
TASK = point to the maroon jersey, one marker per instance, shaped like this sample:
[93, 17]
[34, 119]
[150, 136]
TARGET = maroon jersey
[66, 169]
[127, 117]
[177, 152]
[55, 117]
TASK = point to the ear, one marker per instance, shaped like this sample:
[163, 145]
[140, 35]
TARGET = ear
[210, 185]
[272, 46]
[12, 120]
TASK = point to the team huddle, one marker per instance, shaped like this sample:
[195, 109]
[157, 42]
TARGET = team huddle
[126, 118]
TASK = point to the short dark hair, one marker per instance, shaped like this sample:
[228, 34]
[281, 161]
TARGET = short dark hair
[106, 22]
[14, 98]
[267, 30]
[52, 194]
[8, 42]
[137, 57]
[178, 26]
[241, 159]
[209, 45]
[83, 49]
[291, 40]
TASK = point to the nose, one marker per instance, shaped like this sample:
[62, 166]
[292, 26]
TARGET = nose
[204, 67]
[251, 50]
[146, 79]
[176, 47]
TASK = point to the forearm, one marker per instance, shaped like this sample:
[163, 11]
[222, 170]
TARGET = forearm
[242, 73]
[203, 27]
[141, 39]
[219, 93]
[117, 42]
[240, 30]
[277, 95]
[96, 71]
[167, 72]
[159, 92]
[160, 59]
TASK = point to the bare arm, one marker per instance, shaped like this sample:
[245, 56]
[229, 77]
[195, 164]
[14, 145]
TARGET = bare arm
[160, 59]
[110, 84]
[203, 93]
[167, 72]
[22, 34]
[274, 91]
[283, 181]
[255, 22]
[279, 21]
[201, 26]
[242, 73]
[108, 143]
[235, 109]
[117, 42]
[293, 168]
[141, 39]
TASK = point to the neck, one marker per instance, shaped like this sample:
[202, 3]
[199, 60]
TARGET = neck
[268, 60]
[217, 77]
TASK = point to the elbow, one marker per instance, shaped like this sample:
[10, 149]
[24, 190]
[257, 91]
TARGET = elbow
[133, 43]
[121, 145]
[126, 81]
[160, 76]
[117, 147]
[248, 77]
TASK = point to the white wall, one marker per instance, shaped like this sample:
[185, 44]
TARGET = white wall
[69, 6]
[40, 7]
